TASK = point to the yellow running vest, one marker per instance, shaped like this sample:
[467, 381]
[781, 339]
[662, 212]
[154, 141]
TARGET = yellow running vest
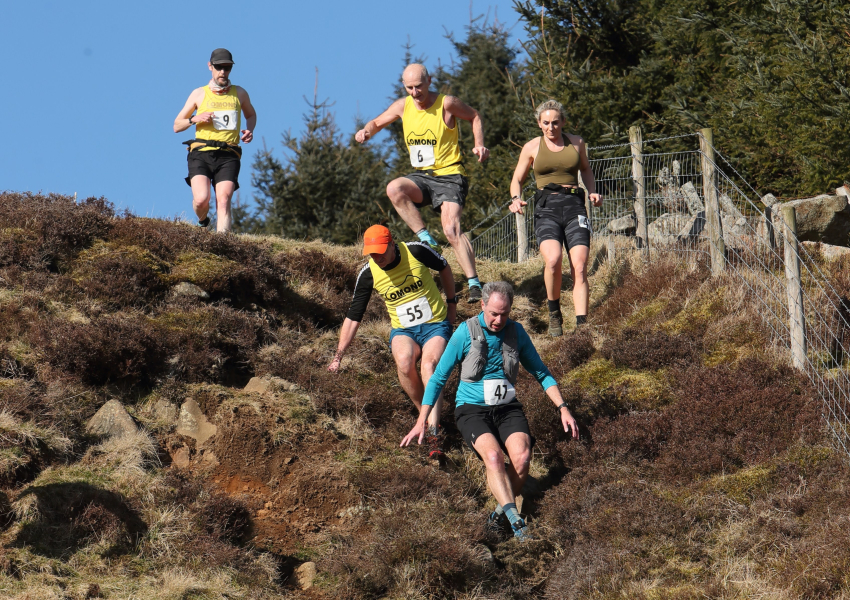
[410, 292]
[432, 145]
[227, 118]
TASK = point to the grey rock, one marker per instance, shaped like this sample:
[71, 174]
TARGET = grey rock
[820, 219]
[694, 227]
[666, 228]
[769, 199]
[165, 411]
[624, 225]
[306, 575]
[828, 251]
[184, 288]
[111, 420]
[192, 423]
[694, 202]
[728, 208]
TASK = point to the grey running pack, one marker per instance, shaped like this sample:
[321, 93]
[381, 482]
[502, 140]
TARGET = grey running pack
[472, 367]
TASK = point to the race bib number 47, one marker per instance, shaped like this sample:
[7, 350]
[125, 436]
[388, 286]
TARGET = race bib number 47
[421, 156]
[415, 312]
[225, 120]
[498, 391]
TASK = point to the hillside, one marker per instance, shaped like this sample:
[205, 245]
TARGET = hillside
[703, 470]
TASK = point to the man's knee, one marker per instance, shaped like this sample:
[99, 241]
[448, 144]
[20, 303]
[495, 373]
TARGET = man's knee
[493, 459]
[406, 363]
[397, 190]
[521, 459]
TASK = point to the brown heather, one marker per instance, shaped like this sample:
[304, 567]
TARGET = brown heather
[704, 470]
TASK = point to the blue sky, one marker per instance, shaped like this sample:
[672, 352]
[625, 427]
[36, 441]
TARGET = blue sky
[96, 85]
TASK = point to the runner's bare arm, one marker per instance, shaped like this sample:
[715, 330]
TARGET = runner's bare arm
[523, 165]
[393, 113]
[460, 110]
[587, 174]
[182, 123]
[346, 336]
[250, 115]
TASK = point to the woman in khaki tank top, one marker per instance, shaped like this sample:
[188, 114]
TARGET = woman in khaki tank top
[560, 215]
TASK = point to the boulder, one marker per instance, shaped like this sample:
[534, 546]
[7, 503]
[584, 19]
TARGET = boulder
[736, 232]
[823, 219]
[828, 251]
[165, 411]
[305, 575]
[259, 385]
[728, 208]
[666, 228]
[191, 422]
[624, 225]
[693, 228]
[769, 200]
[184, 288]
[111, 420]
[694, 202]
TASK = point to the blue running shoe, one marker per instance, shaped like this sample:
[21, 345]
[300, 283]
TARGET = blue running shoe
[521, 531]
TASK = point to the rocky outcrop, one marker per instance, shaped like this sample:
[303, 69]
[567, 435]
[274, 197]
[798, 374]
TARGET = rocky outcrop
[823, 219]
[624, 225]
[193, 423]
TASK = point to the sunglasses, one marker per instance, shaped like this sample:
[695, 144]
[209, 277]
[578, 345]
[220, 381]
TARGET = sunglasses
[222, 67]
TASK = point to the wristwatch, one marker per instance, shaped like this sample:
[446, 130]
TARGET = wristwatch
[451, 300]
[190, 119]
[562, 405]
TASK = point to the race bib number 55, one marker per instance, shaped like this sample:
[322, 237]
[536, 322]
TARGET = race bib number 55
[415, 312]
[498, 391]
[225, 120]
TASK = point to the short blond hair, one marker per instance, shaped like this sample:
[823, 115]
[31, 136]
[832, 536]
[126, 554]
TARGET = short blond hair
[550, 105]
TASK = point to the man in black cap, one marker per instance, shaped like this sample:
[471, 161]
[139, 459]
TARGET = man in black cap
[215, 154]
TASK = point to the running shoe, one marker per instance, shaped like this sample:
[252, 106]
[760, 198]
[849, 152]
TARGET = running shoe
[521, 531]
[556, 323]
[494, 522]
[204, 222]
[433, 440]
[474, 294]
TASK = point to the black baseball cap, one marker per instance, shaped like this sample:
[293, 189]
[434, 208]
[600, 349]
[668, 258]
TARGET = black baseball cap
[220, 56]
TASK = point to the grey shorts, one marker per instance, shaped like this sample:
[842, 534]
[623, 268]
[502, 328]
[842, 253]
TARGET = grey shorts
[565, 221]
[437, 189]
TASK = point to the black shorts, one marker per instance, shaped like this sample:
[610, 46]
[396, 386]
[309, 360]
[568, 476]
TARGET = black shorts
[474, 420]
[217, 165]
[437, 189]
[564, 218]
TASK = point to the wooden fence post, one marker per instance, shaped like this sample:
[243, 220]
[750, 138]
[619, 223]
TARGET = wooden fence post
[642, 232]
[712, 210]
[795, 289]
[521, 238]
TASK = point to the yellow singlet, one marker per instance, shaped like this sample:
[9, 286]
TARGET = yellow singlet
[432, 145]
[227, 118]
[410, 292]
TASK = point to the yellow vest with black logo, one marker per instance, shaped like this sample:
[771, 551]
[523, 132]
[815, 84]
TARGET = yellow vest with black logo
[406, 283]
[428, 127]
[227, 120]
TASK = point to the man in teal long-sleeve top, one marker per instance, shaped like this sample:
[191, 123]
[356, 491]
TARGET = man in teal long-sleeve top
[490, 348]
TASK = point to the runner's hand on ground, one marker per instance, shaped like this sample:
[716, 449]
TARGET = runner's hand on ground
[481, 152]
[567, 420]
[334, 366]
[418, 431]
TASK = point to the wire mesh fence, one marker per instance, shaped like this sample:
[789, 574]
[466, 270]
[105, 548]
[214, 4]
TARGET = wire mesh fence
[752, 245]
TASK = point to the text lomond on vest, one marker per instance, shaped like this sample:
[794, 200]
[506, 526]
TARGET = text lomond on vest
[395, 294]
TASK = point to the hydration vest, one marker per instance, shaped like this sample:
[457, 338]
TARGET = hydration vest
[473, 365]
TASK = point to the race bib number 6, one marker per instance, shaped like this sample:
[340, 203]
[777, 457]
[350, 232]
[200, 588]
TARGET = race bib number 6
[415, 312]
[421, 156]
[225, 120]
[498, 391]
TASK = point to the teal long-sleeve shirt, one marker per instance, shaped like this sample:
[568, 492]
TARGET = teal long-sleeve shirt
[458, 348]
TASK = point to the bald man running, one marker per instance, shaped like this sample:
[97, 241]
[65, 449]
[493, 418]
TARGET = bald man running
[431, 135]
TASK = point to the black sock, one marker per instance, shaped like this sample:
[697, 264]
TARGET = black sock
[581, 319]
[554, 305]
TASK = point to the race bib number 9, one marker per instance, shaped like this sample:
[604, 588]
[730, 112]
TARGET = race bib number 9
[498, 391]
[225, 120]
[421, 156]
[416, 312]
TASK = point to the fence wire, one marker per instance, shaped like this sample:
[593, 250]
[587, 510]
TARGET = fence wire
[753, 235]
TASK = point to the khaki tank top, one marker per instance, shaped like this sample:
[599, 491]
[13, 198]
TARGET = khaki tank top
[556, 167]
